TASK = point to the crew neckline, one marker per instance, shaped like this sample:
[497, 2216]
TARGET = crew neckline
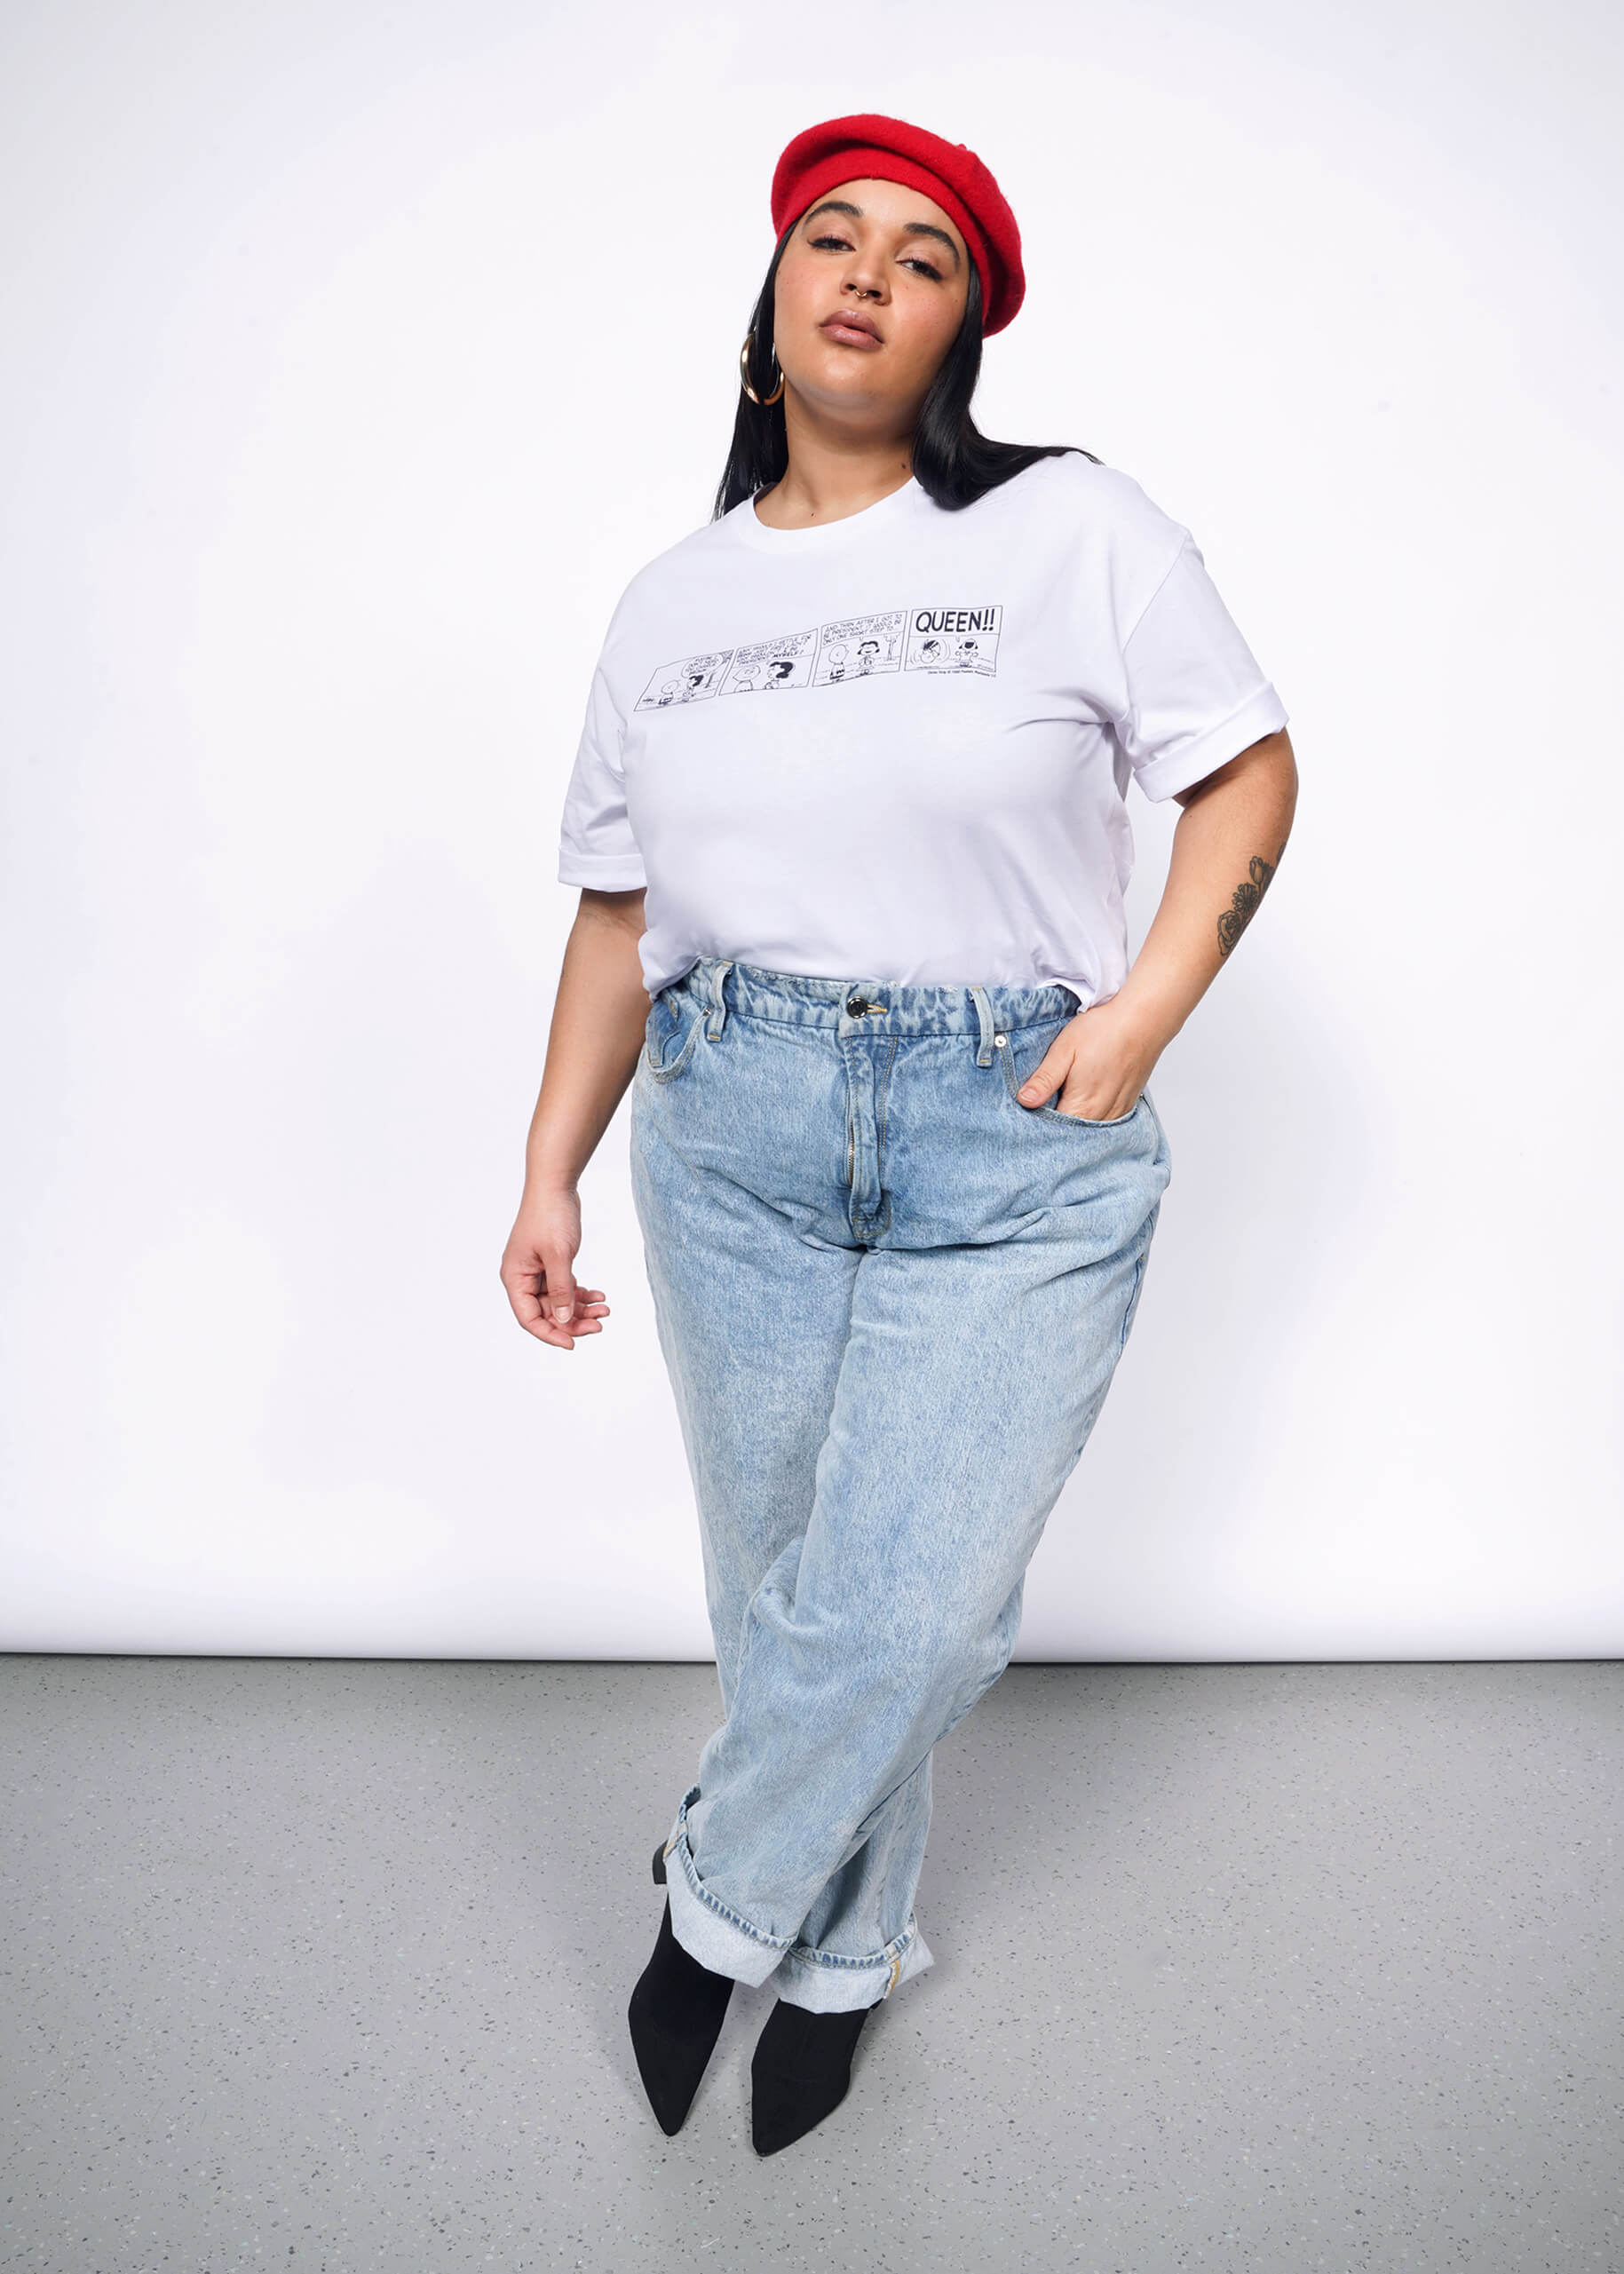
[752, 530]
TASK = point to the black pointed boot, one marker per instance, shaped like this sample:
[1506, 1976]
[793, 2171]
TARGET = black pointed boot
[800, 2071]
[675, 2017]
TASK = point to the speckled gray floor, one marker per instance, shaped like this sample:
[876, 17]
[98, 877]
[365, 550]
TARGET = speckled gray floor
[323, 1964]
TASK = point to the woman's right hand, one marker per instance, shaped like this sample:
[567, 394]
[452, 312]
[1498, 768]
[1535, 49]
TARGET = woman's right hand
[538, 1272]
[599, 1016]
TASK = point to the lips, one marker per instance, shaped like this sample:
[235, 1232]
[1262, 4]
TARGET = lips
[850, 328]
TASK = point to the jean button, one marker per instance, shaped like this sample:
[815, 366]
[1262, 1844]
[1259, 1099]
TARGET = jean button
[855, 1006]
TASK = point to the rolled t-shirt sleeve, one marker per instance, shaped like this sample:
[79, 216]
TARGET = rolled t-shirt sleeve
[596, 844]
[1195, 695]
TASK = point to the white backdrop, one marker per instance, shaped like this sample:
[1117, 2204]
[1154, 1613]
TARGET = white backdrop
[354, 356]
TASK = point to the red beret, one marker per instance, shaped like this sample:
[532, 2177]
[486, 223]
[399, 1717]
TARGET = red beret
[866, 147]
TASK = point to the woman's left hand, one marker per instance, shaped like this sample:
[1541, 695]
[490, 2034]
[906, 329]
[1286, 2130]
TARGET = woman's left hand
[1097, 1064]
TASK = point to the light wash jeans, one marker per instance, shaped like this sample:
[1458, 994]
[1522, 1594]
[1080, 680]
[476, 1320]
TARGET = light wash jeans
[890, 1299]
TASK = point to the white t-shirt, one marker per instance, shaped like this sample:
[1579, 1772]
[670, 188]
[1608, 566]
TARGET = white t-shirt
[898, 746]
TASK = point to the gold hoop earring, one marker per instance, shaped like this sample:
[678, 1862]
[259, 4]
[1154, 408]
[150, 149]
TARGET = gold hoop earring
[744, 374]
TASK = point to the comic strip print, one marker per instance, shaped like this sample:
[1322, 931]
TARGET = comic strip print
[691, 680]
[940, 640]
[856, 648]
[953, 639]
[768, 664]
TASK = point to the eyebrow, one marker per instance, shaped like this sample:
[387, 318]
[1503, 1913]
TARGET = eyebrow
[909, 228]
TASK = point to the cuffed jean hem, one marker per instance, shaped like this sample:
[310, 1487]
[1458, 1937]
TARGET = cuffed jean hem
[824, 1983]
[820, 1981]
[706, 1930]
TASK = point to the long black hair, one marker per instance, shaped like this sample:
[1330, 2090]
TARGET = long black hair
[953, 462]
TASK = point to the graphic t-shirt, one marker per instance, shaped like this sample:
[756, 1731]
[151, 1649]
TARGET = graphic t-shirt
[898, 746]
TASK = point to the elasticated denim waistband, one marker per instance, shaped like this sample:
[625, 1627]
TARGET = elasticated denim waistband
[864, 1005]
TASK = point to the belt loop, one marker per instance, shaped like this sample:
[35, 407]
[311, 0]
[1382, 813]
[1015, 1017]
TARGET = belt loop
[984, 1012]
[717, 1016]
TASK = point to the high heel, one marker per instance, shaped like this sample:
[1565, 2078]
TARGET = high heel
[675, 2017]
[800, 2072]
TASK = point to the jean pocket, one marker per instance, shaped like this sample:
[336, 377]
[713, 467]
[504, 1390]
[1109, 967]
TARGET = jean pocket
[1014, 1074]
[1086, 1120]
[668, 1037]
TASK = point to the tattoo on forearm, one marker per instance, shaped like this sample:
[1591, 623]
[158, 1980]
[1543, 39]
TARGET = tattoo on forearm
[1241, 909]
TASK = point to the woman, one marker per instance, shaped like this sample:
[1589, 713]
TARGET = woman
[849, 807]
